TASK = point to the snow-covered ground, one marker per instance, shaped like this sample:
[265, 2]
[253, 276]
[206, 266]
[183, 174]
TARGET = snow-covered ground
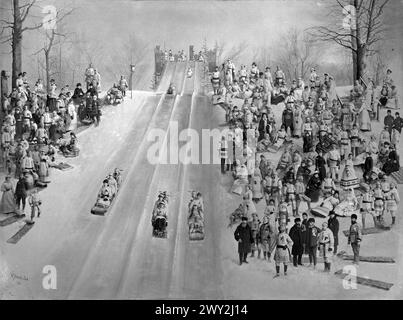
[116, 256]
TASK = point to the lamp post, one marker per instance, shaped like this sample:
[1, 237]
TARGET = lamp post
[132, 68]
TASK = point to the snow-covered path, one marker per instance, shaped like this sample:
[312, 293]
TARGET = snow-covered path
[116, 257]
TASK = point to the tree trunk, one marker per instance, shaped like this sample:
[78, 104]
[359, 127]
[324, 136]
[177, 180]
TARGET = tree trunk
[361, 63]
[16, 43]
[355, 42]
[355, 67]
[47, 67]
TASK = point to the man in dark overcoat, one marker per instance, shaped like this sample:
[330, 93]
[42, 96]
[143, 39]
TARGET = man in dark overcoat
[333, 225]
[297, 239]
[243, 234]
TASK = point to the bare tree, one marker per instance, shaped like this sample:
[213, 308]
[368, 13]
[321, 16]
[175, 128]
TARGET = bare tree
[356, 25]
[90, 49]
[263, 56]
[225, 52]
[378, 62]
[134, 51]
[53, 38]
[296, 53]
[12, 32]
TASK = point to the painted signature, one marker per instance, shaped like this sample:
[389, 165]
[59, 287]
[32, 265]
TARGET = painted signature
[15, 276]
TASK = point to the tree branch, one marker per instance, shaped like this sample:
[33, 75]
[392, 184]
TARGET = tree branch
[29, 6]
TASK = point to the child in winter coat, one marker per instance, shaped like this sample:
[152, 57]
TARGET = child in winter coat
[326, 245]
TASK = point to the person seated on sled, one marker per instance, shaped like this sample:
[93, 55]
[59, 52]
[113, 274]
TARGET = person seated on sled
[72, 145]
[195, 219]
[112, 93]
[193, 197]
[159, 217]
[117, 176]
[171, 89]
[119, 97]
[195, 214]
[199, 201]
[163, 198]
[104, 195]
[189, 72]
[112, 184]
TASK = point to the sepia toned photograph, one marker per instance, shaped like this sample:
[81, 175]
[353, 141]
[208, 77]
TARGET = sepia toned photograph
[201, 150]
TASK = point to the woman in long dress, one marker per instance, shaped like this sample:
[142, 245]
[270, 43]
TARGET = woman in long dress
[7, 204]
[257, 188]
[349, 178]
[297, 122]
[364, 118]
[44, 168]
[248, 202]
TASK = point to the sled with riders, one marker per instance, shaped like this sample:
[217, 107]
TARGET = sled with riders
[108, 192]
[171, 89]
[159, 220]
[114, 96]
[196, 217]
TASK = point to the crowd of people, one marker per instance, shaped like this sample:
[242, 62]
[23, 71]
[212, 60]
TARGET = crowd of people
[325, 144]
[179, 57]
[36, 124]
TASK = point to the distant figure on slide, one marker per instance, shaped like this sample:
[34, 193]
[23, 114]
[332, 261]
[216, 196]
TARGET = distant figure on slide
[123, 85]
[190, 72]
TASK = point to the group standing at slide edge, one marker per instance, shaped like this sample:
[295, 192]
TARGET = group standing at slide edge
[331, 160]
